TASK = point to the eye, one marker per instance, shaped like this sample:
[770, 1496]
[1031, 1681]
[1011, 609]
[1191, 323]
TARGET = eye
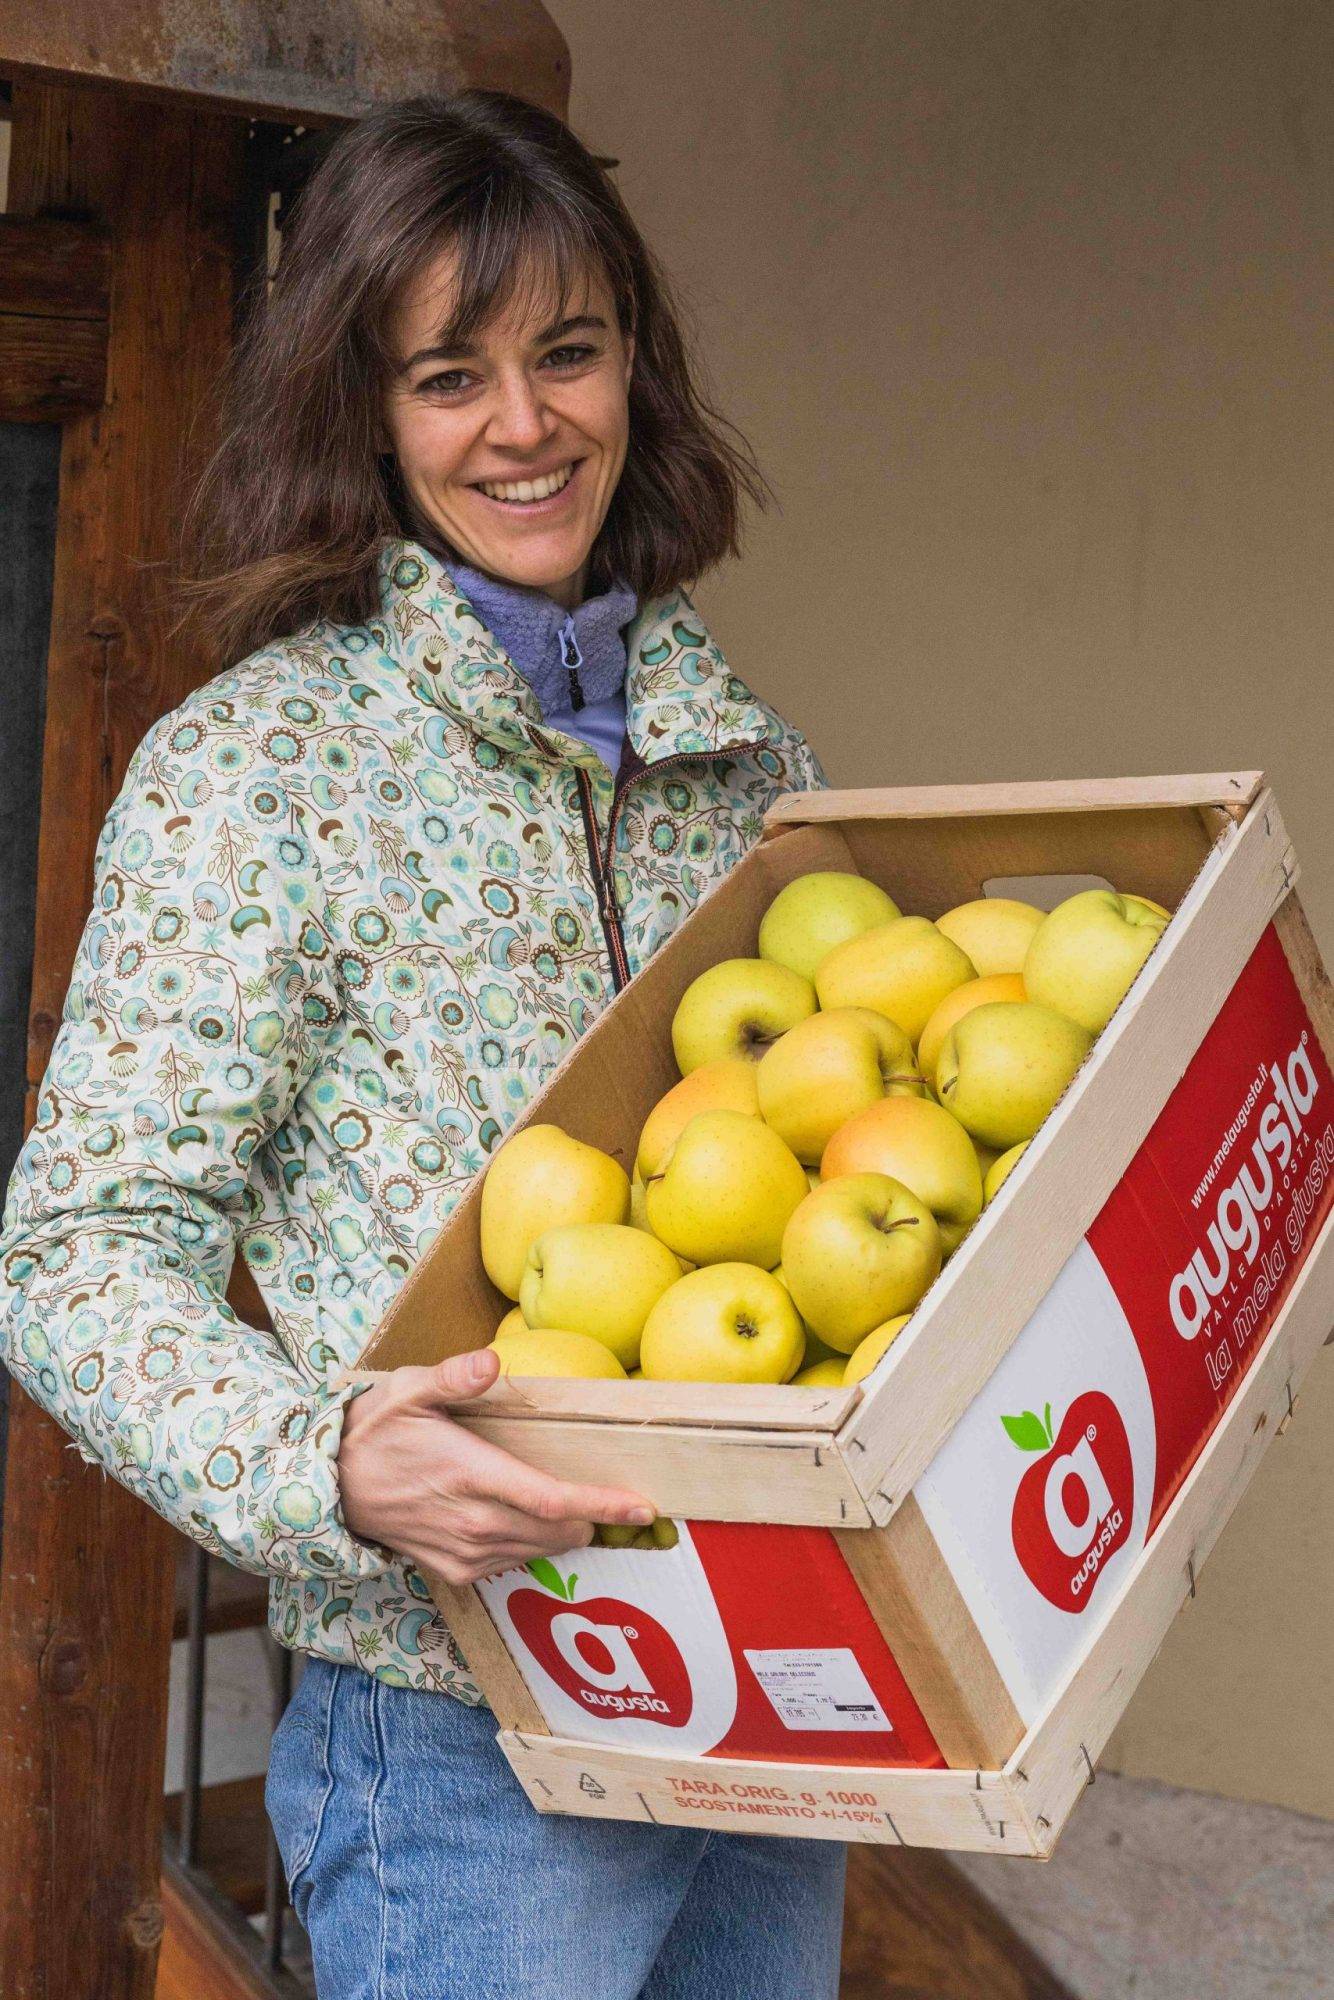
[443, 382]
[577, 352]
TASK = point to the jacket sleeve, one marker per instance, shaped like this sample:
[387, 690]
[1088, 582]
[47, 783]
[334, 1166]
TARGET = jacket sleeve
[193, 1017]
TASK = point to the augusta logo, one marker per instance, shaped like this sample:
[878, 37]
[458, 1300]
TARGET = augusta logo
[1234, 1230]
[610, 1657]
[1074, 1504]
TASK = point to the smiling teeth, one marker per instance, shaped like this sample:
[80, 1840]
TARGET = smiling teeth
[528, 489]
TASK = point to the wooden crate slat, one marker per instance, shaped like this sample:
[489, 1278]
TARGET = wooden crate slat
[719, 1475]
[974, 1812]
[759, 1406]
[1232, 791]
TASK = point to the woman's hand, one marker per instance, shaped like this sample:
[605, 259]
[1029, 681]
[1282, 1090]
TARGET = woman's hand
[462, 1508]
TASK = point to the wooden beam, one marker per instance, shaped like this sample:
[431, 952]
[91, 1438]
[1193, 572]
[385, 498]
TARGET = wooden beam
[290, 59]
[54, 298]
[86, 1583]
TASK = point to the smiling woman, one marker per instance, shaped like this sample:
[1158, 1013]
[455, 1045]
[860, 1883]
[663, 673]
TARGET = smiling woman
[472, 758]
[511, 451]
[463, 302]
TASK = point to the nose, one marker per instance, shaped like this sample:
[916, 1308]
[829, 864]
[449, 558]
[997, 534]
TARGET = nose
[519, 417]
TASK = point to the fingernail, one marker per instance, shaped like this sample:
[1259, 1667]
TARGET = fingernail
[479, 1364]
[642, 1516]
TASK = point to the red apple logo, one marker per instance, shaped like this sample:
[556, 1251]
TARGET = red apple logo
[611, 1658]
[1074, 1505]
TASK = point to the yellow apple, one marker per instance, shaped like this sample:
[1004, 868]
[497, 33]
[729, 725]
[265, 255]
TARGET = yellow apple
[1147, 903]
[812, 1177]
[858, 1251]
[638, 1203]
[545, 1350]
[1003, 1067]
[922, 1145]
[540, 1177]
[974, 993]
[725, 1190]
[987, 1157]
[815, 912]
[827, 1067]
[822, 1374]
[903, 969]
[867, 1352]
[815, 1349]
[725, 1085]
[1001, 1169]
[513, 1322]
[598, 1278]
[728, 1323]
[737, 1008]
[995, 931]
[1086, 953]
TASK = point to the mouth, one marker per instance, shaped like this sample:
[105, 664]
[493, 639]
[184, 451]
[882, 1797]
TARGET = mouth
[547, 495]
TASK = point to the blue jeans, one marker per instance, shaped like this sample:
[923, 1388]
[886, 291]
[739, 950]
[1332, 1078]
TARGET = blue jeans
[421, 1872]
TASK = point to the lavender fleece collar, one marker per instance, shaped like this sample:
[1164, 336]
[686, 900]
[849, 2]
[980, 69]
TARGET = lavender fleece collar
[528, 624]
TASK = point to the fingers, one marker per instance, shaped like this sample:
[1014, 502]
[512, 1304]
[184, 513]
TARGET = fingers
[492, 1474]
[468, 1562]
[495, 1521]
[461, 1377]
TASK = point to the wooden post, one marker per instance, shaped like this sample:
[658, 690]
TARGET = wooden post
[87, 1576]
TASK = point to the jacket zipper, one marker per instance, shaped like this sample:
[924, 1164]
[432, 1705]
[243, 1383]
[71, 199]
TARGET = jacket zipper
[607, 910]
[602, 870]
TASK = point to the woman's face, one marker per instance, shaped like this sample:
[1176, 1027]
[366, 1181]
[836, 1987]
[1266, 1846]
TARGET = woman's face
[530, 404]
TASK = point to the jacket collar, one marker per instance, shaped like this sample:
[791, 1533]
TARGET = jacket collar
[680, 694]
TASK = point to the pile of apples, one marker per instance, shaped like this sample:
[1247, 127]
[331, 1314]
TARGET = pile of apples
[849, 1102]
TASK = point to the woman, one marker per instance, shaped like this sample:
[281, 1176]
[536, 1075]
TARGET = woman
[357, 897]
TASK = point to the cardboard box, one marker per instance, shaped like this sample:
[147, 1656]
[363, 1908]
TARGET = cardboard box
[912, 1611]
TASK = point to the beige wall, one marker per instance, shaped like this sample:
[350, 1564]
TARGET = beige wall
[1026, 309]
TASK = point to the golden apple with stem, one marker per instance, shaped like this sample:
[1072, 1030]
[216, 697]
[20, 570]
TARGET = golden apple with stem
[903, 968]
[724, 1191]
[858, 1251]
[724, 1323]
[598, 1278]
[727, 1084]
[541, 1177]
[545, 1350]
[828, 1066]
[973, 993]
[737, 1007]
[1086, 954]
[815, 912]
[921, 1144]
[995, 931]
[1003, 1067]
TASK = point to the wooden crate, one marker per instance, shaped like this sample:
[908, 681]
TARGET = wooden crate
[996, 1722]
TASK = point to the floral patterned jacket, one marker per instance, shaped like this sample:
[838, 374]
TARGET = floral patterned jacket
[353, 904]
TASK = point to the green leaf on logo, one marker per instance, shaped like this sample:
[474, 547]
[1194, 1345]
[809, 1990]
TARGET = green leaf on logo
[1028, 1432]
[549, 1577]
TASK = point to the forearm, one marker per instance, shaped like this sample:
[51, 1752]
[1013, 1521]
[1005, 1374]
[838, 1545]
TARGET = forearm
[129, 1346]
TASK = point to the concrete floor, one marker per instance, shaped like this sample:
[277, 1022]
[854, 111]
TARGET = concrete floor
[1161, 1894]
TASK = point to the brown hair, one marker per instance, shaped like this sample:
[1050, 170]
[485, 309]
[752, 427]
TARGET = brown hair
[285, 524]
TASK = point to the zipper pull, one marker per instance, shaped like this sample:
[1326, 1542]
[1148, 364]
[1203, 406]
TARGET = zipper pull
[573, 659]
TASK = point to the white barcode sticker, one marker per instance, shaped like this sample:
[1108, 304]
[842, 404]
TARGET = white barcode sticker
[817, 1688]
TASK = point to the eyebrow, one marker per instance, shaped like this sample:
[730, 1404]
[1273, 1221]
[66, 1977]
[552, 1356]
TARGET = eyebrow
[556, 331]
